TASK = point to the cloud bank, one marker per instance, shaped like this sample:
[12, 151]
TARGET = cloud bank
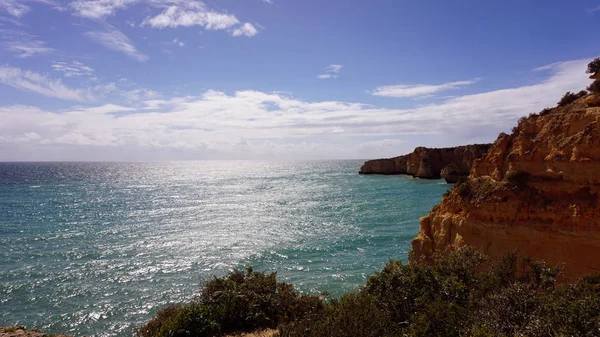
[251, 124]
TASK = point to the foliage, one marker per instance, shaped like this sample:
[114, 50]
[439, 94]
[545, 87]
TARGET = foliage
[545, 111]
[594, 66]
[460, 293]
[570, 97]
[240, 301]
[594, 87]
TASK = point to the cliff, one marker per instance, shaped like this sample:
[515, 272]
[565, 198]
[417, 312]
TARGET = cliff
[450, 163]
[534, 193]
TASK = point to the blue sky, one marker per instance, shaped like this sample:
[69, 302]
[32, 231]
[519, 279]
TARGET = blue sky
[279, 79]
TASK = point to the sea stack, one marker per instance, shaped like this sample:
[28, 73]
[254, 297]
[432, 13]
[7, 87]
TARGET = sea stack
[534, 193]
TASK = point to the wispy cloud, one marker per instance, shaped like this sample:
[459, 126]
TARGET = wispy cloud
[331, 71]
[18, 8]
[10, 20]
[73, 69]
[115, 40]
[98, 9]
[27, 48]
[23, 44]
[418, 90]
[594, 9]
[41, 84]
[175, 42]
[14, 7]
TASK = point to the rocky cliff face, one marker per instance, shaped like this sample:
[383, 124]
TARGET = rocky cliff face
[534, 193]
[450, 163]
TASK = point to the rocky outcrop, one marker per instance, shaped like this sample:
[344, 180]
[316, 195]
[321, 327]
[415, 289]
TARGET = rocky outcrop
[592, 100]
[19, 331]
[534, 193]
[430, 163]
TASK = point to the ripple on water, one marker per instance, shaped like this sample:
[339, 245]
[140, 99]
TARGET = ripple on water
[97, 248]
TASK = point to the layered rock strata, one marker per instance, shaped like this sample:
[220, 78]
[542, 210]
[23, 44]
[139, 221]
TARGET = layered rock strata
[430, 163]
[534, 193]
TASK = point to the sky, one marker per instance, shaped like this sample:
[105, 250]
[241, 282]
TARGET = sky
[153, 80]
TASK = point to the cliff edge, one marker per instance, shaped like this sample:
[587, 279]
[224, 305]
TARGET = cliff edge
[430, 163]
[534, 193]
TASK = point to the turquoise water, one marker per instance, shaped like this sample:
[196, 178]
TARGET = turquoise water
[97, 248]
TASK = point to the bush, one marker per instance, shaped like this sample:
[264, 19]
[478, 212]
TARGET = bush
[459, 293]
[240, 301]
[545, 111]
[594, 87]
[594, 66]
[570, 97]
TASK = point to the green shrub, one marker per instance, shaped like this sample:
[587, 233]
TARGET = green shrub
[458, 293]
[354, 314]
[594, 66]
[570, 97]
[594, 87]
[240, 301]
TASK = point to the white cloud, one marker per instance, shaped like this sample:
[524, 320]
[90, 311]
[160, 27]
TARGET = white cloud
[98, 9]
[417, 90]
[253, 124]
[18, 8]
[41, 84]
[246, 29]
[334, 68]
[331, 71]
[27, 48]
[73, 69]
[175, 42]
[188, 16]
[117, 41]
[194, 13]
[179, 43]
[268, 1]
[325, 76]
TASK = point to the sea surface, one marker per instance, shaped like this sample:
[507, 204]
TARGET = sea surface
[97, 248]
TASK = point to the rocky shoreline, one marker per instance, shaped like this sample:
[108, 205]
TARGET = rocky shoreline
[21, 331]
[450, 163]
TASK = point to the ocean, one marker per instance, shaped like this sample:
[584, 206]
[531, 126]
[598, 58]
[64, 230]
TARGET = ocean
[97, 248]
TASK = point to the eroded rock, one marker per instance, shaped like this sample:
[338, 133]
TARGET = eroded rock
[428, 163]
[534, 193]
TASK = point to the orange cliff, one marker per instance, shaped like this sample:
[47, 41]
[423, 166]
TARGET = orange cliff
[430, 163]
[534, 193]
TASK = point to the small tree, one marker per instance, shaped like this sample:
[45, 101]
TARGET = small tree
[594, 87]
[594, 66]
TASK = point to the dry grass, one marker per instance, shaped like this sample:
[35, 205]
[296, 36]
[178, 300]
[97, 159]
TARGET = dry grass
[261, 333]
